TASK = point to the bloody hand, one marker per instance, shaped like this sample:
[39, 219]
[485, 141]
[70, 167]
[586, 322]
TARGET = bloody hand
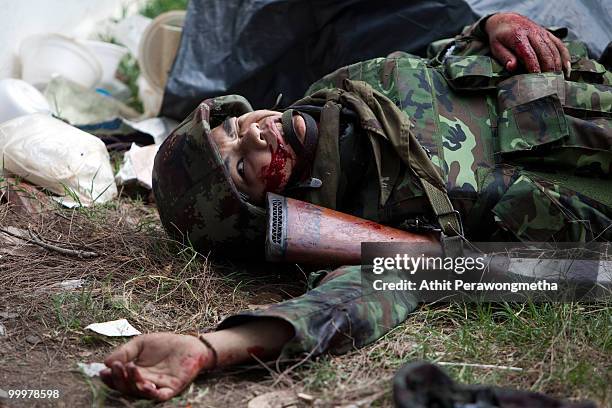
[156, 366]
[514, 38]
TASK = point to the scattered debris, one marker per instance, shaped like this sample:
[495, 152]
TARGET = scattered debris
[23, 197]
[91, 369]
[33, 238]
[137, 167]
[157, 128]
[86, 108]
[71, 284]
[499, 367]
[58, 157]
[12, 241]
[108, 55]
[46, 56]
[306, 397]
[32, 339]
[17, 98]
[275, 399]
[129, 31]
[158, 47]
[114, 328]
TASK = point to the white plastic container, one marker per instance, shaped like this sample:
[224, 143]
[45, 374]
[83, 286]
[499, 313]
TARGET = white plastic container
[19, 98]
[59, 157]
[129, 31]
[109, 55]
[158, 47]
[44, 56]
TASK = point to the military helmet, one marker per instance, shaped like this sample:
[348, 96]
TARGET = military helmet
[197, 201]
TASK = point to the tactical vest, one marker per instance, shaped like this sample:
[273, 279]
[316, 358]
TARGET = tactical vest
[512, 151]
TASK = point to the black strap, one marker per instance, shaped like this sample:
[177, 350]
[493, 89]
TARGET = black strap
[305, 151]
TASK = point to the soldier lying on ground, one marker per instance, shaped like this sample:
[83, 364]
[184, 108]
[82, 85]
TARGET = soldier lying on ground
[521, 156]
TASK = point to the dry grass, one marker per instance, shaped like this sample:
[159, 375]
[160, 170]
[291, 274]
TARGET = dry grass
[157, 284]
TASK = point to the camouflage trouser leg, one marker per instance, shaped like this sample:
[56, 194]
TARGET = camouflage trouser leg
[337, 315]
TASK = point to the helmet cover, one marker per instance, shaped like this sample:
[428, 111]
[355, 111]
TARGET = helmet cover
[197, 201]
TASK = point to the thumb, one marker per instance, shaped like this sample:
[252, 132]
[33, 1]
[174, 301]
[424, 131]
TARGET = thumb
[126, 353]
[503, 55]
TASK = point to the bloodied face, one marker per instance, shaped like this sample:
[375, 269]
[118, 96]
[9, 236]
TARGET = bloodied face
[255, 152]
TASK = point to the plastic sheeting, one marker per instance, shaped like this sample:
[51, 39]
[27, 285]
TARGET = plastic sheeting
[58, 157]
[262, 48]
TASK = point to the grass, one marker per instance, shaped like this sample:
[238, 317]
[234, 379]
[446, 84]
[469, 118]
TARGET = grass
[160, 285]
[563, 349]
[128, 72]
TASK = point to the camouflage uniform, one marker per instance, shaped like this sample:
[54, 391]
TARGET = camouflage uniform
[521, 157]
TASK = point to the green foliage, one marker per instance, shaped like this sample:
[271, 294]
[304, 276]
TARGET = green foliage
[128, 72]
[75, 310]
[154, 8]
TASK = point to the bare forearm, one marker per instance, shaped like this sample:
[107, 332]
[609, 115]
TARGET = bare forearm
[262, 338]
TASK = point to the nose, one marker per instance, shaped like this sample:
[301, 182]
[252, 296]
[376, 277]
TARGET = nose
[253, 137]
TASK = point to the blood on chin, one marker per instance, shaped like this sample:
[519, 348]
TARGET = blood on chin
[275, 175]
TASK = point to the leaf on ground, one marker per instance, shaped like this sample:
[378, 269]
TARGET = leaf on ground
[275, 399]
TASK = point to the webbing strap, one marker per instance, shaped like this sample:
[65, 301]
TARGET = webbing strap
[290, 134]
[304, 151]
[448, 219]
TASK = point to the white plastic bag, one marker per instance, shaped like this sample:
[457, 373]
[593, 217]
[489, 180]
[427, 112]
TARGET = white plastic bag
[58, 157]
[137, 167]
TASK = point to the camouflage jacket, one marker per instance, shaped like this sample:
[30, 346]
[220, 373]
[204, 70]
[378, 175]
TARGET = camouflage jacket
[522, 156]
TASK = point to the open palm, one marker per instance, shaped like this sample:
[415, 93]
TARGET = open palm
[157, 365]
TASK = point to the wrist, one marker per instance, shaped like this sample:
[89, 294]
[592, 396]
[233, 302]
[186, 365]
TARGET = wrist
[208, 354]
[489, 24]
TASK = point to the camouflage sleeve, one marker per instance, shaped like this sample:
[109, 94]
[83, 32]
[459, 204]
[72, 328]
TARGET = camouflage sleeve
[473, 40]
[335, 316]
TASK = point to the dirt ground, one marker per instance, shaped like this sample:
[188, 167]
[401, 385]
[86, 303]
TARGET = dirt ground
[139, 274]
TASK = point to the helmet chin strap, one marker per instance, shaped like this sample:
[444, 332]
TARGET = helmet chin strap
[305, 151]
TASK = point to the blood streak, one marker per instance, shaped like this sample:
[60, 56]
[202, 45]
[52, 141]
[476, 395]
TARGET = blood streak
[275, 175]
[257, 351]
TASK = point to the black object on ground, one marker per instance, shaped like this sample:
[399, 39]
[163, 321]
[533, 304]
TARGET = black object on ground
[424, 385]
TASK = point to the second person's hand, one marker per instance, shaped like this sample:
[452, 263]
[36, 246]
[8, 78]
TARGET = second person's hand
[514, 38]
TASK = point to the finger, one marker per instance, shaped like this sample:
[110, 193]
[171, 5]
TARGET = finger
[126, 353]
[545, 57]
[522, 47]
[160, 380]
[153, 393]
[130, 381]
[556, 56]
[565, 55]
[164, 394]
[503, 55]
[106, 376]
[141, 386]
[147, 388]
[119, 377]
[553, 50]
